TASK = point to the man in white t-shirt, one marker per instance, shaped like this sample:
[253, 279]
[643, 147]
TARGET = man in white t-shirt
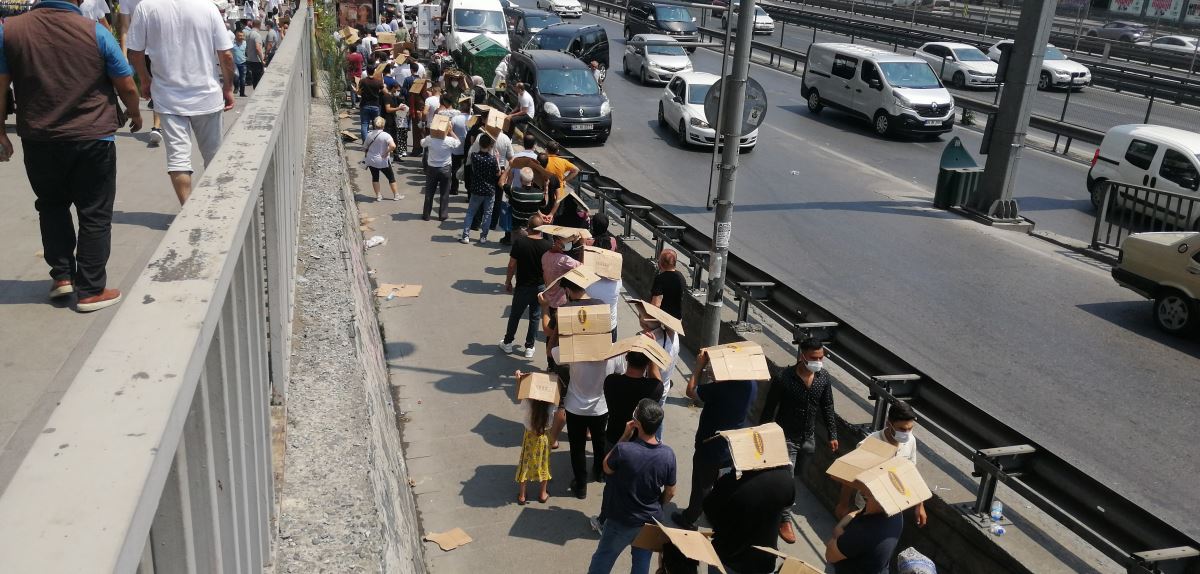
[188, 41]
[526, 108]
[95, 10]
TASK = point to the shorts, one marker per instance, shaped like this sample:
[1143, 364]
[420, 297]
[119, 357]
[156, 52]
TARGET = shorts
[386, 171]
[177, 133]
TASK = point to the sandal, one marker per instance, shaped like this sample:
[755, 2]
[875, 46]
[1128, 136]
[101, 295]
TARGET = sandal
[554, 445]
[543, 499]
[521, 501]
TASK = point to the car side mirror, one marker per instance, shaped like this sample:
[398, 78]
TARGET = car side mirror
[875, 84]
[677, 99]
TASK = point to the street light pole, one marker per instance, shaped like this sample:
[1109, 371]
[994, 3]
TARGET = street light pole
[733, 99]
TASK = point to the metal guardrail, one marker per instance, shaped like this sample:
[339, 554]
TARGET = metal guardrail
[1125, 209]
[158, 456]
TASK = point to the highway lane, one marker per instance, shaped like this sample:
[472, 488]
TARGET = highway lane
[1044, 340]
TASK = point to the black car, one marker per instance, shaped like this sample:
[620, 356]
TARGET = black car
[587, 42]
[643, 17]
[567, 100]
[523, 23]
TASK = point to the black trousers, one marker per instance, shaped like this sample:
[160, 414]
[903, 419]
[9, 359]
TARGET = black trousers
[437, 181]
[456, 161]
[256, 72]
[577, 431]
[81, 174]
[704, 476]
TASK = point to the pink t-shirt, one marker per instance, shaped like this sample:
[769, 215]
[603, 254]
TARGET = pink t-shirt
[553, 266]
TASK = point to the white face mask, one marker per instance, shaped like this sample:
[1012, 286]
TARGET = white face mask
[902, 436]
[814, 366]
[567, 246]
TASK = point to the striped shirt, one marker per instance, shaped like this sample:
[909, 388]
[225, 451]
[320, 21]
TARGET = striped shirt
[524, 201]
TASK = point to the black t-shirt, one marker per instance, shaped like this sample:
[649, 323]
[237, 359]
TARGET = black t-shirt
[670, 284]
[528, 253]
[868, 543]
[622, 393]
[370, 91]
[394, 101]
[745, 512]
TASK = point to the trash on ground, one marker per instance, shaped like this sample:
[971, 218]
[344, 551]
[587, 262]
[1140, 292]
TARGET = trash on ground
[374, 241]
[393, 290]
[450, 539]
[348, 135]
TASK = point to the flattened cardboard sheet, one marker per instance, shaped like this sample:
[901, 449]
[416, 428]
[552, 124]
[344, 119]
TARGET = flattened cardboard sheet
[603, 262]
[644, 345]
[584, 319]
[397, 290]
[538, 386]
[579, 276]
[742, 361]
[450, 539]
[668, 320]
[692, 544]
[896, 484]
[756, 448]
[870, 454]
[791, 564]
[578, 348]
[565, 232]
[439, 127]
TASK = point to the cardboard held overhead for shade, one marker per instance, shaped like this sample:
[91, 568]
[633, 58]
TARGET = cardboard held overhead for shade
[496, 122]
[579, 348]
[386, 38]
[791, 564]
[418, 86]
[690, 543]
[584, 319]
[757, 448]
[743, 361]
[439, 127]
[668, 320]
[644, 345]
[579, 276]
[870, 454]
[603, 262]
[565, 232]
[538, 386]
[892, 480]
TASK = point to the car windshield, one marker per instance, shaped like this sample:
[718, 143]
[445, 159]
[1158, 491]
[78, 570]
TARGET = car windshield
[575, 82]
[672, 14]
[970, 55]
[697, 93]
[555, 42]
[1053, 53]
[539, 22]
[482, 21]
[917, 75]
[665, 50]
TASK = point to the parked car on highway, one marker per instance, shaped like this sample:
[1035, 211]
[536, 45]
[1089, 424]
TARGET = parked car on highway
[1119, 30]
[564, 8]
[568, 101]
[1157, 157]
[681, 108]
[587, 42]
[523, 23]
[645, 17]
[1057, 70]
[654, 63]
[1185, 44]
[1164, 267]
[963, 65]
[763, 23]
[896, 93]
[467, 19]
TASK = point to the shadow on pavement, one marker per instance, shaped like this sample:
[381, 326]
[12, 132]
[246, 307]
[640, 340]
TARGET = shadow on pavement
[500, 432]
[24, 292]
[550, 523]
[492, 486]
[147, 219]
[397, 350]
[474, 286]
[1135, 316]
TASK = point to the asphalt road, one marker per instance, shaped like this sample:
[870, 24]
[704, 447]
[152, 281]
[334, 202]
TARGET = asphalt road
[1042, 338]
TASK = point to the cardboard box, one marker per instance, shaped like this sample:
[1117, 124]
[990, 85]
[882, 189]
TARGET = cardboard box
[644, 345]
[584, 319]
[756, 448]
[870, 454]
[791, 564]
[896, 485]
[603, 262]
[439, 127]
[418, 86]
[668, 320]
[565, 232]
[588, 347]
[482, 110]
[692, 544]
[386, 38]
[538, 386]
[742, 361]
[497, 121]
[579, 276]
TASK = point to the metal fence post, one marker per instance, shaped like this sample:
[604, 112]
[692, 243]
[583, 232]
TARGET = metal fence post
[1150, 105]
[1062, 117]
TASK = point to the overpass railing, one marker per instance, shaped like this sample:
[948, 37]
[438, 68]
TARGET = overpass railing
[158, 456]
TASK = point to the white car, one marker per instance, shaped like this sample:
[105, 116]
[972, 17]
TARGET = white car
[763, 24]
[681, 109]
[1057, 70]
[564, 8]
[655, 62]
[1185, 44]
[962, 65]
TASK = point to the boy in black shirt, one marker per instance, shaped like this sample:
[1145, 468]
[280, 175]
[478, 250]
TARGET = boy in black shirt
[622, 392]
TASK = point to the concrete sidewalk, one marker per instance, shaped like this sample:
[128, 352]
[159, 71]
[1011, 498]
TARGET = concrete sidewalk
[455, 396]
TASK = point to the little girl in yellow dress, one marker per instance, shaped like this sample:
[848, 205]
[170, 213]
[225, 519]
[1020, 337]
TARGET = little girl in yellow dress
[535, 448]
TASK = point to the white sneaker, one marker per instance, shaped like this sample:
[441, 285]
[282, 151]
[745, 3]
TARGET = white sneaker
[155, 136]
[529, 352]
[465, 241]
[594, 521]
[506, 347]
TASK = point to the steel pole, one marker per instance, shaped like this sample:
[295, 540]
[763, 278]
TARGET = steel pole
[733, 99]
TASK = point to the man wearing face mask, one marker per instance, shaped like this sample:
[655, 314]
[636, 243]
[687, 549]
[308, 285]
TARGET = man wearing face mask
[795, 395]
[898, 432]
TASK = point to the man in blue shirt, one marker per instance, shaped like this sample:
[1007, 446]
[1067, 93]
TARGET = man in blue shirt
[66, 121]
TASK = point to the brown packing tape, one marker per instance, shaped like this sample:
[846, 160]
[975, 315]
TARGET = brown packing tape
[896, 485]
[583, 348]
[756, 448]
[644, 345]
[450, 539]
[603, 262]
[690, 543]
[538, 386]
[791, 564]
[669, 321]
[743, 361]
[870, 453]
[399, 290]
[584, 319]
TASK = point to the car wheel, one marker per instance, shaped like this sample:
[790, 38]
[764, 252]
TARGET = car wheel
[1096, 193]
[882, 123]
[1044, 81]
[1126, 39]
[662, 118]
[642, 76]
[960, 80]
[1174, 312]
[682, 134]
[814, 102]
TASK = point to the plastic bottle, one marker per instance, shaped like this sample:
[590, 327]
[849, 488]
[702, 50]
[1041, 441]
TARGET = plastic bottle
[997, 511]
[997, 529]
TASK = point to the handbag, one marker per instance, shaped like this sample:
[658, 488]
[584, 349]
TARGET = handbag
[505, 217]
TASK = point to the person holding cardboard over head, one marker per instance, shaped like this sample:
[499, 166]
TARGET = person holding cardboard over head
[665, 330]
[864, 541]
[644, 359]
[796, 393]
[725, 380]
[539, 395]
[640, 479]
[439, 148]
[897, 432]
[606, 265]
[557, 261]
[745, 503]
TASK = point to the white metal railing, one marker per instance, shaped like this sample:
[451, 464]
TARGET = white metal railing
[158, 456]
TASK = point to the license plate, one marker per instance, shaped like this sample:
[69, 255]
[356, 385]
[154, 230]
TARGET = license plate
[581, 127]
[1078, 81]
[933, 122]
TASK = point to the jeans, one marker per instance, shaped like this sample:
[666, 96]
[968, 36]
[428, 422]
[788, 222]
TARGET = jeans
[239, 79]
[367, 115]
[577, 431]
[437, 180]
[83, 174]
[613, 541]
[476, 203]
[704, 476]
[524, 297]
[797, 454]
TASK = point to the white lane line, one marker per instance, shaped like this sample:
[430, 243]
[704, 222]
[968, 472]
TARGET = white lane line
[860, 164]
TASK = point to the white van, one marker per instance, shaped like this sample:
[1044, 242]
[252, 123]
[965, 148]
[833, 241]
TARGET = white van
[898, 94]
[466, 19]
[1158, 157]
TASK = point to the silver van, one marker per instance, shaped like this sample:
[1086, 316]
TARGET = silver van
[897, 94]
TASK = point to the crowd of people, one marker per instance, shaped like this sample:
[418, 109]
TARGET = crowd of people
[73, 75]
